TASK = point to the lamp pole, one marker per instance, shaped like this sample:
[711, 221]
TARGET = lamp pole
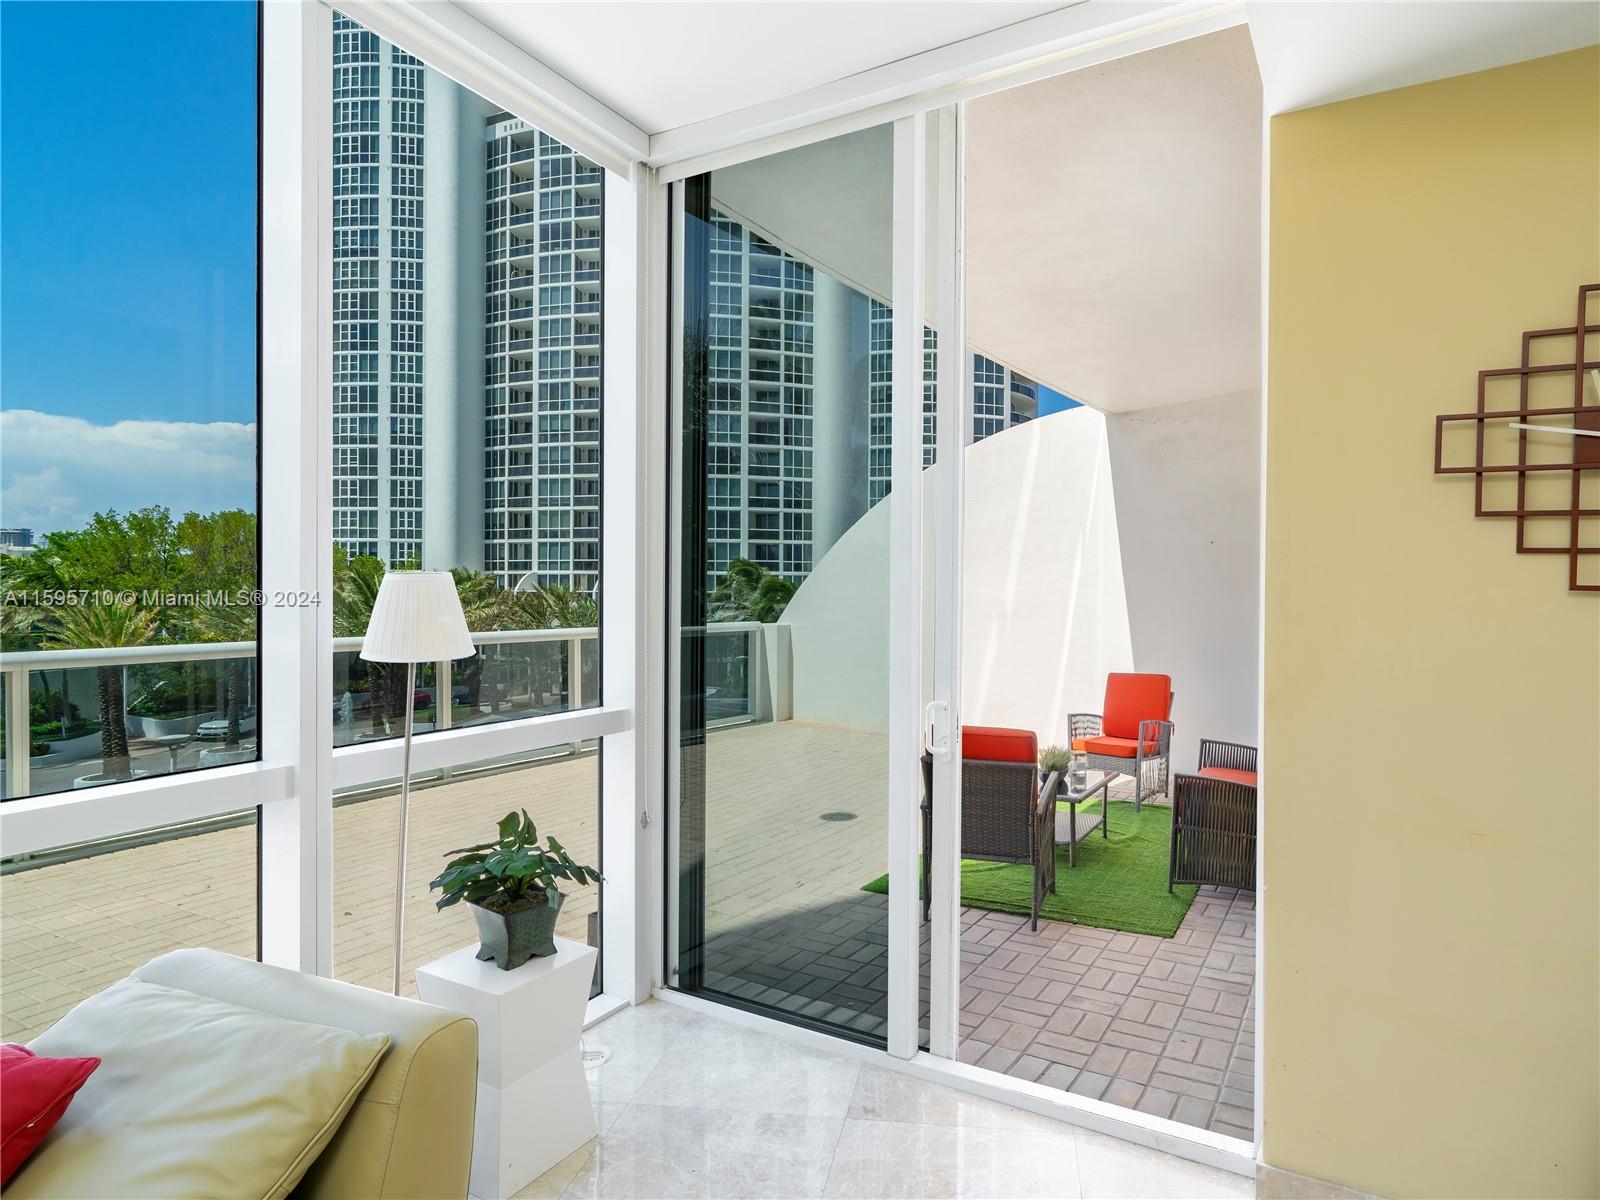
[405, 827]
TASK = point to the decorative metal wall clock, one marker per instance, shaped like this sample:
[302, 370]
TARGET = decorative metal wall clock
[1556, 443]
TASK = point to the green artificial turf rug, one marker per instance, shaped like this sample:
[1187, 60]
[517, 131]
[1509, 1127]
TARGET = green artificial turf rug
[1120, 881]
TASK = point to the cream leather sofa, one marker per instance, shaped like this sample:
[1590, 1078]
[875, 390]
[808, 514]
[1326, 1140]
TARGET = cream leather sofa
[409, 1134]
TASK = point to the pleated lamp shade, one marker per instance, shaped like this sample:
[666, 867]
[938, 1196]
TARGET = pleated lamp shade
[417, 618]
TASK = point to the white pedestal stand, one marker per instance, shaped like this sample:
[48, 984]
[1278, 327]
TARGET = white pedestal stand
[533, 1097]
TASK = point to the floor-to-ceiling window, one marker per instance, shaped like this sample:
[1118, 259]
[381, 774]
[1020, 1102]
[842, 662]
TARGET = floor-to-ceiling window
[128, 486]
[781, 598]
[466, 436]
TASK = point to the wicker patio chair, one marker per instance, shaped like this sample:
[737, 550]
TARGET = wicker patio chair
[1214, 819]
[1005, 816]
[1134, 734]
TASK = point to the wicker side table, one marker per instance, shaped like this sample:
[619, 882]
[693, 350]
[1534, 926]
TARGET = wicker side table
[1070, 828]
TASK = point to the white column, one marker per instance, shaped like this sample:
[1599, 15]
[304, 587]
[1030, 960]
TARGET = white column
[296, 722]
[453, 324]
[839, 411]
[630, 582]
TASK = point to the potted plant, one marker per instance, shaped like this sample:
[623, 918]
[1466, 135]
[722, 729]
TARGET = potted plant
[511, 885]
[1054, 758]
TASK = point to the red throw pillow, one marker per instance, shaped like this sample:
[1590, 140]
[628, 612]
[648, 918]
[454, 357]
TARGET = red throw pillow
[34, 1093]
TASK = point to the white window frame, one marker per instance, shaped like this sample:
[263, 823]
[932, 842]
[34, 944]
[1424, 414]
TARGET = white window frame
[292, 784]
[674, 159]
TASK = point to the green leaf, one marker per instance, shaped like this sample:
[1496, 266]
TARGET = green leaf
[508, 826]
[472, 849]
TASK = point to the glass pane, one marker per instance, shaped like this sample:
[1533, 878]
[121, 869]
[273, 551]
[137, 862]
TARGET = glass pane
[466, 390]
[128, 485]
[79, 918]
[783, 593]
[559, 788]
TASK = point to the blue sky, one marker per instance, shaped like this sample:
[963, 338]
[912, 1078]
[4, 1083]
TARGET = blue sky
[127, 228]
[1051, 401]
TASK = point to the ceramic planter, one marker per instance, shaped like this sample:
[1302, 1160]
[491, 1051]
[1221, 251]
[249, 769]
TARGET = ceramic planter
[510, 938]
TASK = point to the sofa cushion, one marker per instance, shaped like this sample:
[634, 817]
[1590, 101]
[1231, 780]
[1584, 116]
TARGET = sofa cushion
[410, 1132]
[1132, 698]
[34, 1094]
[194, 1097]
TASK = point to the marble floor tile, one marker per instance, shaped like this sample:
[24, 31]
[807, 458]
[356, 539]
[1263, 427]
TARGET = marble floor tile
[553, 1182]
[693, 1106]
[885, 1095]
[635, 1038]
[654, 1152]
[1111, 1168]
[720, 1065]
[886, 1160]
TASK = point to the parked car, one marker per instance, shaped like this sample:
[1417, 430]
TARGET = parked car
[217, 730]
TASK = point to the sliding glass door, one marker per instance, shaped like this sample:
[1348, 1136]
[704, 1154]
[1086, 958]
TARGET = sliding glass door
[784, 287]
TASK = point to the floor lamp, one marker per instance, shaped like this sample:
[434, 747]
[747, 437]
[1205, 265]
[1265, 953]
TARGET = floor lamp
[416, 618]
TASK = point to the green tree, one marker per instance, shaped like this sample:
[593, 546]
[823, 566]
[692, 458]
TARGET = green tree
[143, 550]
[229, 623]
[103, 625]
[356, 580]
[748, 592]
[554, 607]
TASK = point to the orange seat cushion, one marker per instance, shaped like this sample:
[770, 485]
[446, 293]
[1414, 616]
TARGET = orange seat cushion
[1134, 698]
[1080, 743]
[1116, 747]
[1228, 775]
[989, 743]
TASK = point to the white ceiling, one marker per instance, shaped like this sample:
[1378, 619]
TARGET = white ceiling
[1113, 226]
[669, 64]
[1314, 52]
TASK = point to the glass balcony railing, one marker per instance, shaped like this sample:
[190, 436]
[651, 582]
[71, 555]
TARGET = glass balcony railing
[179, 713]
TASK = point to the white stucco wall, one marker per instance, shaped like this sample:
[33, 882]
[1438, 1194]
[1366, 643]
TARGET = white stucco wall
[1093, 544]
[1045, 611]
[1188, 489]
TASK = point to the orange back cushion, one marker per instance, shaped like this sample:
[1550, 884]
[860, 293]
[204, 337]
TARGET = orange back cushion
[988, 743]
[1134, 698]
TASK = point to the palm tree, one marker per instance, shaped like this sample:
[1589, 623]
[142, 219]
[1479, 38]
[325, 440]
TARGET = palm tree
[488, 607]
[555, 607]
[748, 592]
[98, 626]
[229, 623]
[356, 581]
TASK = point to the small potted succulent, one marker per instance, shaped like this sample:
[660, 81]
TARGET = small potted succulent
[511, 885]
[1054, 758]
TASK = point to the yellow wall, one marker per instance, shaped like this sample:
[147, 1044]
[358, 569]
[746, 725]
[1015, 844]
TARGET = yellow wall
[1432, 708]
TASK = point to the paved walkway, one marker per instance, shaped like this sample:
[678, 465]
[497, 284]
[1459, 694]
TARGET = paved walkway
[1165, 1025]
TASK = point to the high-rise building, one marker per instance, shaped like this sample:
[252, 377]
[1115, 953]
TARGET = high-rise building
[541, 310]
[457, 225]
[378, 274]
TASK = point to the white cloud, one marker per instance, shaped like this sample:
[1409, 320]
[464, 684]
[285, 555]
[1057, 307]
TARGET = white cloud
[56, 471]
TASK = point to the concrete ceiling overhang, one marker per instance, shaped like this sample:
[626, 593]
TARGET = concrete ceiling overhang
[1114, 225]
[1315, 52]
[667, 65]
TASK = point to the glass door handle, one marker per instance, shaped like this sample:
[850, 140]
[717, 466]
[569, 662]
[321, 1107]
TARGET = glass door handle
[936, 724]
